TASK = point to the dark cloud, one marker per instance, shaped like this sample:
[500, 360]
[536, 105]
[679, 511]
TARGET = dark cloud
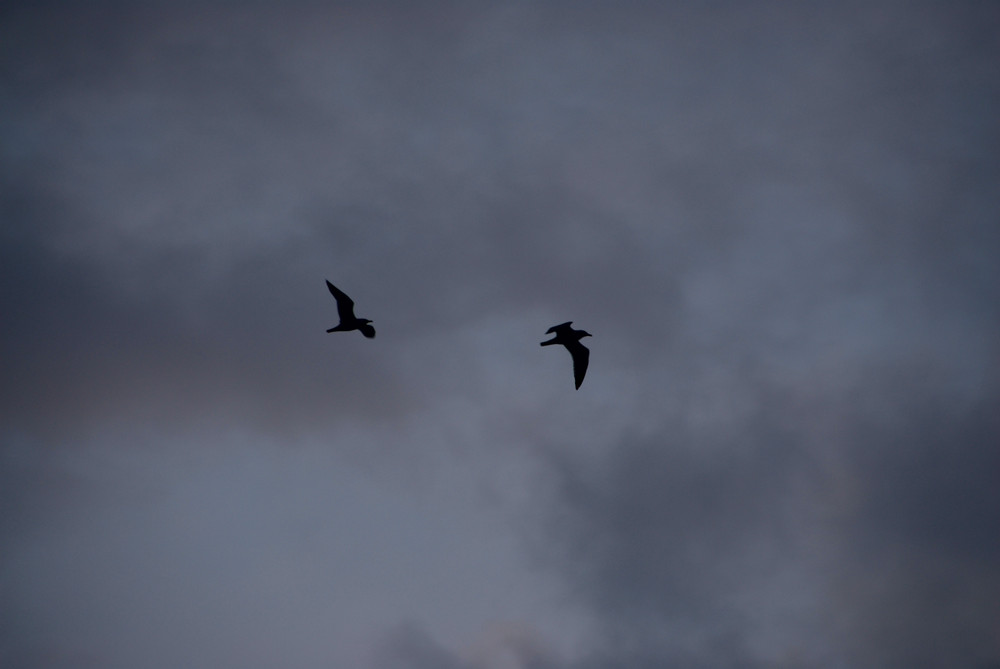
[779, 222]
[874, 540]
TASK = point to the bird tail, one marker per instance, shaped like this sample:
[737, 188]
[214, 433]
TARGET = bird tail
[549, 342]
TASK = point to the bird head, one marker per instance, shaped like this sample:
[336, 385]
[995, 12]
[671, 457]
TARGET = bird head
[584, 333]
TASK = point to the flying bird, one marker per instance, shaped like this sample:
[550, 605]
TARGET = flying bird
[345, 309]
[570, 338]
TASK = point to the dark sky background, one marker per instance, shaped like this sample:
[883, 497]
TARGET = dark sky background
[780, 221]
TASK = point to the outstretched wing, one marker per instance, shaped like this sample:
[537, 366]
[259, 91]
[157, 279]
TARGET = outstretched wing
[345, 305]
[581, 358]
[367, 330]
[562, 327]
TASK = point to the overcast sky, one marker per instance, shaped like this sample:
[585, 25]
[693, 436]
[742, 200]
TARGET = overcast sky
[780, 222]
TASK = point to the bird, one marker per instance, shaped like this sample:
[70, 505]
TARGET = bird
[570, 338]
[345, 309]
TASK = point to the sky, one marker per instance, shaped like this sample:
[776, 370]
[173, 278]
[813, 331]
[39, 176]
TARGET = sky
[780, 222]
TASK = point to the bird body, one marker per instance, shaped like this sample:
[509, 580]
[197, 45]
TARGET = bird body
[345, 309]
[570, 338]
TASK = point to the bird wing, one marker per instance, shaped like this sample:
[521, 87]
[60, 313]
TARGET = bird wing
[345, 305]
[581, 358]
[367, 330]
[562, 327]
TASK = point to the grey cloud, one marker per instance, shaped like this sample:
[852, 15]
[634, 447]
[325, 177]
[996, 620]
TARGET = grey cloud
[880, 559]
[779, 223]
[411, 648]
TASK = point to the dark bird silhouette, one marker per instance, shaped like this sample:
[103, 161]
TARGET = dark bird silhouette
[570, 338]
[345, 309]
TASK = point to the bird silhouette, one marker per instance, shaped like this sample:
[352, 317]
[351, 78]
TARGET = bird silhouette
[345, 309]
[570, 338]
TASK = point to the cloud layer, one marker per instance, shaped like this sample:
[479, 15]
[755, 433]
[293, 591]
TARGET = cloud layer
[779, 223]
